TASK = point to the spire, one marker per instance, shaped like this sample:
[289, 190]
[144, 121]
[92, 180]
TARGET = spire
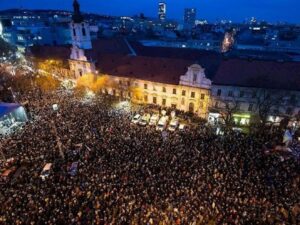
[77, 17]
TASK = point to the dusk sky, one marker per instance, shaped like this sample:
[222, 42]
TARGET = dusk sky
[236, 10]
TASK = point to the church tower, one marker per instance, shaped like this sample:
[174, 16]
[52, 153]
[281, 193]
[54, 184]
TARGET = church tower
[81, 36]
[81, 41]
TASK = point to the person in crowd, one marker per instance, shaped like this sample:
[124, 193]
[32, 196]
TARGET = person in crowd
[128, 174]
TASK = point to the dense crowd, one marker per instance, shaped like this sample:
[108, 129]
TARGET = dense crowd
[133, 175]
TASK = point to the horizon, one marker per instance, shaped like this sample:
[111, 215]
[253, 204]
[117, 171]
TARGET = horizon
[236, 11]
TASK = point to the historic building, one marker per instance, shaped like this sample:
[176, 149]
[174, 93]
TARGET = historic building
[202, 82]
[180, 84]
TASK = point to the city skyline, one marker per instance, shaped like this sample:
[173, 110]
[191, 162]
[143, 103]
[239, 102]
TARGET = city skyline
[235, 10]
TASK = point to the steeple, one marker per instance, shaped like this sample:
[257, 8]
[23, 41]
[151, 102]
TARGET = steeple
[77, 17]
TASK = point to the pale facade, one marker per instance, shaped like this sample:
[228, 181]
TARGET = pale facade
[193, 97]
[190, 95]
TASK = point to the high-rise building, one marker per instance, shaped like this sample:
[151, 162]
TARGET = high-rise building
[162, 10]
[189, 17]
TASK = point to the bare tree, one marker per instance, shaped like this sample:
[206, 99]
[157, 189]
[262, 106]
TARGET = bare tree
[228, 108]
[266, 100]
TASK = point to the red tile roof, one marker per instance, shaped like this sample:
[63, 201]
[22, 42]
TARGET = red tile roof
[50, 52]
[160, 70]
[261, 74]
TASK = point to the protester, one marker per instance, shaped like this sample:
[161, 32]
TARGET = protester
[132, 175]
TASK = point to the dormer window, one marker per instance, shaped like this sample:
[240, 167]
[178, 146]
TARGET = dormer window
[194, 77]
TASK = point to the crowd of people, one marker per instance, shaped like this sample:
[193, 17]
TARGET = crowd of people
[133, 175]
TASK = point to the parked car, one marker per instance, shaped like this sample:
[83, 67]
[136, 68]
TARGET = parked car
[136, 119]
[173, 125]
[162, 123]
[145, 119]
[46, 171]
[154, 120]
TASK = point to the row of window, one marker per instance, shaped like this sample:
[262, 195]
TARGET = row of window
[230, 94]
[289, 111]
[83, 31]
[174, 91]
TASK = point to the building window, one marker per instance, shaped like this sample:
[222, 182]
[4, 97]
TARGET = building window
[128, 83]
[83, 31]
[194, 77]
[146, 98]
[164, 89]
[230, 94]
[154, 88]
[217, 105]
[289, 111]
[191, 107]
[145, 86]
[114, 92]
[164, 102]
[219, 92]
[182, 101]
[183, 92]
[254, 94]
[154, 100]
[174, 106]
[250, 107]
[120, 82]
[242, 94]
[74, 32]
[174, 91]
[202, 96]
[77, 54]
[192, 94]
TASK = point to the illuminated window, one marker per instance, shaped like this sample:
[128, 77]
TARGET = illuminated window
[182, 101]
[146, 98]
[183, 92]
[154, 100]
[192, 94]
[174, 91]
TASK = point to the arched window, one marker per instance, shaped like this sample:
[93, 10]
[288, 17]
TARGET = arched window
[191, 107]
[83, 31]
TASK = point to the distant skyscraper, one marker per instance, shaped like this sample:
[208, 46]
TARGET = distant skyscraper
[162, 10]
[189, 17]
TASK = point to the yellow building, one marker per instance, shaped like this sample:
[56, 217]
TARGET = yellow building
[190, 94]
